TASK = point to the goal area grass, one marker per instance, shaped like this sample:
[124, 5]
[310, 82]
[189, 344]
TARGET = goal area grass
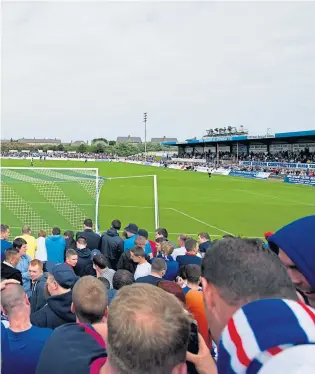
[189, 202]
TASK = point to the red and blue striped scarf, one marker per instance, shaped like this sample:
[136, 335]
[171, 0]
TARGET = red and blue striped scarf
[262, 329]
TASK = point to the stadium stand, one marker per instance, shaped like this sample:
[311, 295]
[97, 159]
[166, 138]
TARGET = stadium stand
[270, 283]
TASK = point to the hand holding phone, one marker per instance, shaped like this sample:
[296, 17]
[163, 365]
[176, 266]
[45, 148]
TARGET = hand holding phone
[203, 360]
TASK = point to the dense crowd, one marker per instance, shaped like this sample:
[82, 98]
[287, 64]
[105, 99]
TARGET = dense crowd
[304, 156]
[116, 304]
[59, 154]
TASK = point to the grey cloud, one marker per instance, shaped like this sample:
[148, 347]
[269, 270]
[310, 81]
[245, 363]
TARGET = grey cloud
[81, 70]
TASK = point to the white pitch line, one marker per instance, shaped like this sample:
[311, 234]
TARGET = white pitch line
[102, 205]
[275, 197]
[198, 220]
[131, 176]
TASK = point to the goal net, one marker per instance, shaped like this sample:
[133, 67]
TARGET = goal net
[45, 198]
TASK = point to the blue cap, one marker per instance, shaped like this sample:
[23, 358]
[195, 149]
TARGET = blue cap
[64, 275]
[297, 240]
[95, 252]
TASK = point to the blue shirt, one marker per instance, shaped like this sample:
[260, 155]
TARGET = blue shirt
[23, 267]
[25, 349]
[4, 246]
[55, 245]
[151, 279]
[188, 259]
[130, 243]
[172, 267]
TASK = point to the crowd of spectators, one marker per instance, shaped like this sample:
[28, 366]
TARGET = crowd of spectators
[121, 303]
[274, 171]
[287, 156]
[59, 154]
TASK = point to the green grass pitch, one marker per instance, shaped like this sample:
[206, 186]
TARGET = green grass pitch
[188, 202]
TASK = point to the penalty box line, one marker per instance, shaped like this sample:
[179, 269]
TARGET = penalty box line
[151, 207]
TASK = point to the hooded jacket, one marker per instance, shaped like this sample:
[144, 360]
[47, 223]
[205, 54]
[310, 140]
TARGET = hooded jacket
[84, 265]
[125, 262]
[55, 245]
[37, 299]
[55, 313]
[297, 240]
[85, 344]
[93, 239]
[260, 331]
[112, 246]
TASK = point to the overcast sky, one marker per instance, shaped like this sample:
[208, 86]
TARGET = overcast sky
[83, 70]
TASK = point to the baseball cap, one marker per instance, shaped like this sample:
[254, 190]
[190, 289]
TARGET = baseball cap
[144, 233]
[132, 227]
[64, 275]
[95, 252]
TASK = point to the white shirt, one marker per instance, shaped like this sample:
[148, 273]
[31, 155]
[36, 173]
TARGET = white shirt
[178, 252]
[142, 270]
[181, 252]
[41, 252]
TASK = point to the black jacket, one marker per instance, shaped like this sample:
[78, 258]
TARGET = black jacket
[38, 299]
[84, 265]
[112, 246]
[7, 272]
[55, 313]
[93, 239]
[70, 243]
[126, 263]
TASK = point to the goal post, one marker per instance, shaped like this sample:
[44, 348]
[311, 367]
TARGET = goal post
[155, 194]
[46, 197]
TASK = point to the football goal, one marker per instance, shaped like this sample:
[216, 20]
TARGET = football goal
[46, 197]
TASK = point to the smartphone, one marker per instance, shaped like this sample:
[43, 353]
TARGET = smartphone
[193, 347]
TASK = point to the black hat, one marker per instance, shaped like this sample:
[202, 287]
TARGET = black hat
[132, 227]
[144, 233]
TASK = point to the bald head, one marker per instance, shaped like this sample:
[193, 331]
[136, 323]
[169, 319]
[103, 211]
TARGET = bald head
[143, 335]
[26, 230]
[13, 298]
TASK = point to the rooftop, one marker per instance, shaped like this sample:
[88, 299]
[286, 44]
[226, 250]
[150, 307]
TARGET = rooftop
[129, 139]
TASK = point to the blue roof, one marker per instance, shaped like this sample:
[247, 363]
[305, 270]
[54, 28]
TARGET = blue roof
[295, 133]
[215, 139]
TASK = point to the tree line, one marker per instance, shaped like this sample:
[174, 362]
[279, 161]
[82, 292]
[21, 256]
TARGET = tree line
[99, 145]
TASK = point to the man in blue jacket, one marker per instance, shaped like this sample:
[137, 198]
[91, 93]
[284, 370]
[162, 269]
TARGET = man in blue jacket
[38, 283]
[55, 245]
[204, 242]
[190, 257]
[5, 244]
[23, 264]
[132, 234]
